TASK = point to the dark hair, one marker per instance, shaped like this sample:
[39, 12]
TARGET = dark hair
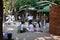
[37, 21]
[28, 15]
[22, 22]
[30, 22]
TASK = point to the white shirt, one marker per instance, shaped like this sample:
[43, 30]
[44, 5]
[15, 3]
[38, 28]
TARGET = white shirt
[37, 27]
[31, 28]
[19, 17]
[47, 25]
[9, 20]
[30, 18]
[21, 26]
[12, 17]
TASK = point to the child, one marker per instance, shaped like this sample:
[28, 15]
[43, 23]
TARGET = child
[38, 26]
[31, 27]
[22, 28]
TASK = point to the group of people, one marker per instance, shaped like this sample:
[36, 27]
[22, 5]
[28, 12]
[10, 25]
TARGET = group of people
[27, 17]
[10, 18]
[31, 27]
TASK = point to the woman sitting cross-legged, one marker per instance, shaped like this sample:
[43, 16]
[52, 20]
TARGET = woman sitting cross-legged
[30, 27]
[38, 26]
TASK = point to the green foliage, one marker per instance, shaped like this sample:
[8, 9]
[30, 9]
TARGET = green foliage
[51, 0]
[20, 3]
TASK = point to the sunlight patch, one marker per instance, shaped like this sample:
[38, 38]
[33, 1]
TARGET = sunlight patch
[10, 29]
[41, 38]
[47, 37]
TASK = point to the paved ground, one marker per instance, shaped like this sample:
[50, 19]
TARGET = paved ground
[33, 36]
[28, 35]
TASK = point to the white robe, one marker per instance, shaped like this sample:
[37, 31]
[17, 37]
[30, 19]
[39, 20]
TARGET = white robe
[30, 18]
[37, 27]
[31, 28]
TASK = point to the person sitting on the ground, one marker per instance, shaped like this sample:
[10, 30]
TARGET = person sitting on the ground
[30, 27]
[38, 26]
[12, 18]
[22, 28]
[8, 20]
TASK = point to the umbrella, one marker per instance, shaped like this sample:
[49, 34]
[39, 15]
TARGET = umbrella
[45, 9]
[30, 8]
[39, 10]
[42, 2]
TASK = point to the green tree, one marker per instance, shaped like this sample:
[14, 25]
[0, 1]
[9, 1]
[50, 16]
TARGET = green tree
[20, 3]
